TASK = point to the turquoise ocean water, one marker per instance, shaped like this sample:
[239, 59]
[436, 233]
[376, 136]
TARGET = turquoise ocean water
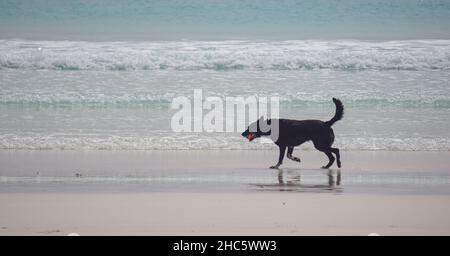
[101, 74]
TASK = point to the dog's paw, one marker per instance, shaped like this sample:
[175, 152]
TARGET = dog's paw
[274, 167]
[293, 158]
[339, 164]
[325, 167]
[296, 159]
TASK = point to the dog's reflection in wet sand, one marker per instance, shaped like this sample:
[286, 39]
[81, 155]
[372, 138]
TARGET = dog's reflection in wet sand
[290, 180]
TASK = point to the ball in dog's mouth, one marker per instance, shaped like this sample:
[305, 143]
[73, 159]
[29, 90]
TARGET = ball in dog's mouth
[250, 136]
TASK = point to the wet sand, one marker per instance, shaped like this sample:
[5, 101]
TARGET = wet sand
[222, 193]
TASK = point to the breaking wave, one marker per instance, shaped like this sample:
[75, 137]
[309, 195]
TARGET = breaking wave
[226, 55]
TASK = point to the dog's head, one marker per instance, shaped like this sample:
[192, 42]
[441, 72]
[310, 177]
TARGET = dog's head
[254, 129]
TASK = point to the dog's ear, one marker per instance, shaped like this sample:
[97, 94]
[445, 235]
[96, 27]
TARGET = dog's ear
[259, 121]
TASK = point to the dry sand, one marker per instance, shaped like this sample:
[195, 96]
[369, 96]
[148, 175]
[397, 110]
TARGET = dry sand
[223, 214]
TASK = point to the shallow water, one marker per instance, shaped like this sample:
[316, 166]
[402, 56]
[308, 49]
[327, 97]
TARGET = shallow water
[294, 181]
[384, 110]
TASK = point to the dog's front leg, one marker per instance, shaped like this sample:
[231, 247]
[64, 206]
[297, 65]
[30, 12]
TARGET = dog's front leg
[280, 159]
[290, 156]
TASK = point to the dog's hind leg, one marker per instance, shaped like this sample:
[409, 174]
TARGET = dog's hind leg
[330, 158]
[280, 158]
[323, 144]
[327, 150]
[338, 156]
[289, 155]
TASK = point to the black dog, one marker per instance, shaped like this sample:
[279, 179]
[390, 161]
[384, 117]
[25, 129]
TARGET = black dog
[294, 132]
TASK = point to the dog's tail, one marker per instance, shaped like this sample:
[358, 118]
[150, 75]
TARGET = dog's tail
[339, 112]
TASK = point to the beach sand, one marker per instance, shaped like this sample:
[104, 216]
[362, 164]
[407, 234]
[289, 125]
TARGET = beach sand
[222, 193]
[223, 214]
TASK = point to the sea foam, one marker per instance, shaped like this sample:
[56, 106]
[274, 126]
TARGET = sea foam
[226, 55]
